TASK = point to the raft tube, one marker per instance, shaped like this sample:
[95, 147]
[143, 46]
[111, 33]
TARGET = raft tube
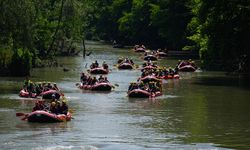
[103, 86]
[99, 70]
[138, 93]
[187, 68]
[26, 94]
[46, 117]
[150, 78]
[48, 94]
[176, 76]
[140, 50]
[150, 57]
[162, 54]
[149, 67]
[125, 66]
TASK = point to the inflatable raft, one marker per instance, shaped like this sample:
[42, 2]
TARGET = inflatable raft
[26, 94]
[125, 66]
[103, 86]
[187, 68]
[48, 94]
[150, 78]
[138, 93]
[99, 70]
[46, 117]
[149, 67]
[162, 54]
[176, 76]
[150, 57]
[140, 50]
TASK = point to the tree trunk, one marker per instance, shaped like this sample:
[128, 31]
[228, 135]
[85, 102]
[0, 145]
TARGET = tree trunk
[57, 28]
[84, 48]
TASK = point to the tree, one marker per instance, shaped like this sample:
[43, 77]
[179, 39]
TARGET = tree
[223, 29]
[171, 18]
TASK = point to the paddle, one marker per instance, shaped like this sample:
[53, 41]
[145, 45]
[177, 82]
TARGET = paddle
[71, 111]
[25, 117]
[61, 93]
[88, 54]
[65, 99]
[115, 85]
[19, 114]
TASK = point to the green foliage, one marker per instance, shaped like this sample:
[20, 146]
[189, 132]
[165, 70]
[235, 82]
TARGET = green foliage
[171, 18]
[44, 28]
[5, 58]
[21, 63]
[157, 23]
[136, 23]
[220, 30]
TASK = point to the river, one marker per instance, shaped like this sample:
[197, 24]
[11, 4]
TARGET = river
[203, 110]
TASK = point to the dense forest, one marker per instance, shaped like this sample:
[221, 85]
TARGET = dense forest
[33, 32]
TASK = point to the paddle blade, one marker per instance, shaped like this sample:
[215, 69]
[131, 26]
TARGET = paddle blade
[71, 111]
[64, 98]
[24, 118]
[20, 114]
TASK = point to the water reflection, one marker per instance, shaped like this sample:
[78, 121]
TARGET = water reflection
[225, 81]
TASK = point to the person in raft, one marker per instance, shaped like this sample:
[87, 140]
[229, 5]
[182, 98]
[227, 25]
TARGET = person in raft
[101, 78]
[53, 96]
[29, 86]
[106, 80]
[38, 106]
[105, 65]
[64, 108]
[94, 80]
[83, 78]
[53, 109]
[120, 60]
[96, 64]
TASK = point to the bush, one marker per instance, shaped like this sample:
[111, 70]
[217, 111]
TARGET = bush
[21, 63]
[5, 59]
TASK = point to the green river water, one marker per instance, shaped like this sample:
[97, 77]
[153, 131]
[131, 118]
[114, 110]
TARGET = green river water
[203, 110]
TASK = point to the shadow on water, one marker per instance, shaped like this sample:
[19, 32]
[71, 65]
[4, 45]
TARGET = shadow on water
[241, 82]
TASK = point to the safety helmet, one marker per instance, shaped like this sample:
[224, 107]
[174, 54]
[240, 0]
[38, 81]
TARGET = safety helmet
[53, 104]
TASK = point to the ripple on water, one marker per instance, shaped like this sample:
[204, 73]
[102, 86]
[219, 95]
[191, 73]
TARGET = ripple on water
[10, 96]
[66, 148]
[6, 110]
